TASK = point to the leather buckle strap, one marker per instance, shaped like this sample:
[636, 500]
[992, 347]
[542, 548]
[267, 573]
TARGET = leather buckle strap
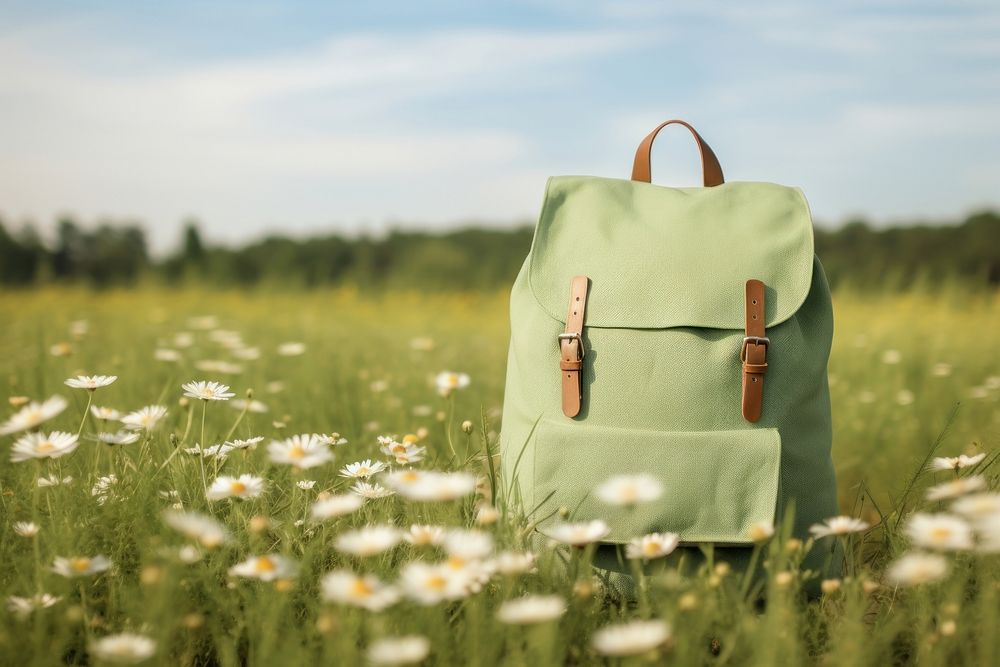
[753, 353]
[571, 350]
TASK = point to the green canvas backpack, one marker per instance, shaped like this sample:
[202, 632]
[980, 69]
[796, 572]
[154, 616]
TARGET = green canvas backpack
[681, 333]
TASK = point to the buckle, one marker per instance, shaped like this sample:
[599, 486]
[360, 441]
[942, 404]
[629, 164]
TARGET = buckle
[756, 340]
[573, 336]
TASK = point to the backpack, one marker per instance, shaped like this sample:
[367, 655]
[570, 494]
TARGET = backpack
[681, 333]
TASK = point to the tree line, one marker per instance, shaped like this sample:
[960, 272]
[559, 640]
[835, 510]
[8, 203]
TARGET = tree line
[110, 254]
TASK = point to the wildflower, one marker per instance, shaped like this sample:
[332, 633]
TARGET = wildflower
[652, 546]
[336, 506]
[166, 354]
[52, 480]
[579, 534]
[249, 405]
[939, 531]
[90, 382]
[207, 391]
[248, 443]
[218, 366]
[511, 562]
[368, 592]
[838, 525]
[917, 568]
[200, 527]
[126, 648]
[362, 469]
[630, 489]
[368, 541]
[431, 485]
[467, 545]
[905, 397]
[956, 462]
[372, 491]
[891, 357]
[429, 584]
[956, 487]
[291, 349]
[244, 486]
[761, 531]
[421, 535]
[487, 515]
[687, 602]
[80, 566]
[22, 607]
[41, 446]
[332, 439]
[105, 414]
[61, 349]
[830, 586]
[118, 438]
[404, 453]
[305, 484]
[145, 418]
[978, 505]
[783, 579]
[265, 568]
[531, 609]
[447, 382]
[630, 638]
[26, 528]
[102, 488]
[300, 451]
[406, 650]
[32, 415]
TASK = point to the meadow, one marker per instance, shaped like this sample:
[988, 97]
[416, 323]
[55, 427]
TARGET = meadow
[138, 550]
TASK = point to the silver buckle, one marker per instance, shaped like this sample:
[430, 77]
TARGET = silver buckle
[756, 340]
[573, 336]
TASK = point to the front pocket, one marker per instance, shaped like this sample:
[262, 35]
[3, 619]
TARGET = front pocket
[716, 484]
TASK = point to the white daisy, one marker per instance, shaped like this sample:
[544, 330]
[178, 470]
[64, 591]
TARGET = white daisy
[125, 648]
[336, 506]
[405, 453]
[250, 406]
[247, 353]
[248, 443]
[429, 584]
[362, 469]
[213, 451]
[988, 530]
[207, 390]
[265, 568]
[52, 480]
[203, 528]
[26, 528]
[838, 525]
[332, 439]
[167, 355]
[761, 531]
[118, 438]
[942, 532]
[105, 414]
[407, 650]
[372, 491]
[22, 607]
[917, 568]
[90, 382]
[956, 487]
[80, 566]
[655, 545]
[978, 505]
[956, 462]
[579, 534]
[630, 638]
[630, 489]
[32, 415]
[447, 382]
[300, 451]
[305, 484]
[145, 418]
[512, 562]
[291, 349]
[103, 488]
[422, 535]
[243, 487]
[468, 545]
[487, 515]
[531, 609]
[368, 541]
[41, 446]
[431, 485]
[366, 591]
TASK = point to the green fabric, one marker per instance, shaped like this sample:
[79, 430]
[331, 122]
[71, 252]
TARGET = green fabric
[662, 376]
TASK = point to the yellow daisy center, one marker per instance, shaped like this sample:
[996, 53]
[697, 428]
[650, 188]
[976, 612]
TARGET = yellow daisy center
[296, 452]
[45, 447]
[456, 563]
[361, 589]
[237, 487]
[436, 582]
[410, 439]
[408, 476]
[940, 534]
[264, 564]
[650, 548]
[79, 564]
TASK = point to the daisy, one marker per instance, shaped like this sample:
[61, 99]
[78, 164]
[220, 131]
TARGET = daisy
[336, 506]
[956, 462]
[838, 525]
[447, 382]
[118, 438]
[23, 607]
[214, 451]
[247, 353]
[41, 446]
[630, 489]
[630, 638]
[332, 439]
[207, 390]
[166, 354]
[105, 414]
[531, 609]
[468, 545]
[652, 546]
[487, 515]
[956, 487]
[988, 529]
[512, 562]
[761, 531]
[249, 443]
[291, 349]
[368, 541]
[404, 453]
[407, 650]
[80, 566]
[305, 484]
[90, 382]
[52, 480]
[301, 451]
[124, 648]
[916, 568]
[26, 528]
[145, 418]
[429, 584]
[103, 487]
[249, 405]
[978, 505]
[368, 592]
[422, 536]
[940, 532]
[200, 527]
[362, 469]
[265, 568]
[32, 415]
[372, 491]
[579, 534]
[244, 486]
[431, 485]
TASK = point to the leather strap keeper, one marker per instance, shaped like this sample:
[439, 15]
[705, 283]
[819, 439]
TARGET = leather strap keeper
[753, 353]
[571, 351]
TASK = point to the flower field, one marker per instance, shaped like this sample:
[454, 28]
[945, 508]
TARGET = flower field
[202, 478]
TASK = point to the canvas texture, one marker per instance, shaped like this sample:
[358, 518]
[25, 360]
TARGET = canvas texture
[662, 374]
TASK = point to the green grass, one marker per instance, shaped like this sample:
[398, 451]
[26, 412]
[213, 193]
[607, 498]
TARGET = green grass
[361, 376]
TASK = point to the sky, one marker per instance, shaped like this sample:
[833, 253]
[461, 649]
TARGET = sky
[311, 117]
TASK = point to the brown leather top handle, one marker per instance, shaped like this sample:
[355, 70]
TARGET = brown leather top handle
[710, 168]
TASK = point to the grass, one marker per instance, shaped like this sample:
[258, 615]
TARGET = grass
[912, 376]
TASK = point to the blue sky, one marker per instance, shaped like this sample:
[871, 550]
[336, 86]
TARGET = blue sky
[301, 117]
